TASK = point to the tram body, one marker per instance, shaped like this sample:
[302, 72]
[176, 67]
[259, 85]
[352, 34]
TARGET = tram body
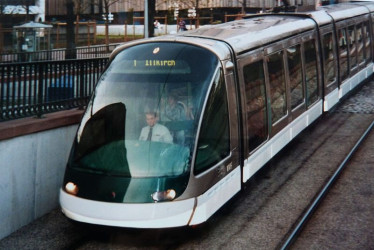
[245, 89]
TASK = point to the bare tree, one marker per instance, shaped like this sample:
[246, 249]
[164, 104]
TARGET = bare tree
[70, 35]
[2, 17]
[79, 7]
[244, 6]
[192, 4]
[151, 17]
[27, 8]
[106, 4]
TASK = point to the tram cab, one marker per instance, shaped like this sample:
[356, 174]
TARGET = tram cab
[163, 179]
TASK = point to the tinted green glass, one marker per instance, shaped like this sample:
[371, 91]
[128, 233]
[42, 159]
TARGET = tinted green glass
[214, 138]
[277, 86]
[256, 107]
[343, 54]
[329, 59]
[158, 85]
[296, 75]
[311, 72]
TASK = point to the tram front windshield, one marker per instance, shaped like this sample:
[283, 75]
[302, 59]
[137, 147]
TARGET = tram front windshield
[142, 119]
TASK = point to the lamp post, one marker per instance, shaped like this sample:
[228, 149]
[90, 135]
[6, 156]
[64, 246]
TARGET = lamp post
[146, 28]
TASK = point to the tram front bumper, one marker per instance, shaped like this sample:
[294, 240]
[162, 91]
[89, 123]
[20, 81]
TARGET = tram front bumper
[139, 215]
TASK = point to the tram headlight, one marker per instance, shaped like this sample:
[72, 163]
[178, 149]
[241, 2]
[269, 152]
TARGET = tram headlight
[71, 188]
[167, 195]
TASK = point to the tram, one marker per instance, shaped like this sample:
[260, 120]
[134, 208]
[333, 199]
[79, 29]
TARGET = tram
[178, 123]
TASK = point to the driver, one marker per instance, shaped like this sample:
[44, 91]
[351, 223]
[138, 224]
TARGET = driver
[154, 131]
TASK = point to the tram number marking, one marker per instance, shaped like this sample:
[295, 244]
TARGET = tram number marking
[223, 170]
[229, 167]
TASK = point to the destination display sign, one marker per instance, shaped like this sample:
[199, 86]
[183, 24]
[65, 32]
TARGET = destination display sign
[154, 63]
[151, 66]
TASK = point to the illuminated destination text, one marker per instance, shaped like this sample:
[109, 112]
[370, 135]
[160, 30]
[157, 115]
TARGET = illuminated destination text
[156, 63]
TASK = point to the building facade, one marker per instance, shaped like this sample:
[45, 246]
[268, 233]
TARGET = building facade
[90, 8]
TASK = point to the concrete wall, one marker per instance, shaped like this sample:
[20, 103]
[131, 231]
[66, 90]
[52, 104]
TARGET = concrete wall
[31, 173]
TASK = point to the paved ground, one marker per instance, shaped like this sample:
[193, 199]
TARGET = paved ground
[345, 218]
[362, 102]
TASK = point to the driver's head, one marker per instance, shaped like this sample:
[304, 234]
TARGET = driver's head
[151, 118]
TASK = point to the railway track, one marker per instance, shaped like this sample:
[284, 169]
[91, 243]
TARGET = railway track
[294, 233]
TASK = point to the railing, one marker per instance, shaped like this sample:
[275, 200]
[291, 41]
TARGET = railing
[37, 88]
[97, 51]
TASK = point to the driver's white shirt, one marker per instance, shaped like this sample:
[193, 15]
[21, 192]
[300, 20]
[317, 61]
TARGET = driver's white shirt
[160, 133]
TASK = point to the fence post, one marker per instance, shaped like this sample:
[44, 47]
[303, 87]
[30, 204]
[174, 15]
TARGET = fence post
[81, 84]
[133, 31]
[95, 30]
[166, 25]
[2, 82]
[39, 113]
[125, 31]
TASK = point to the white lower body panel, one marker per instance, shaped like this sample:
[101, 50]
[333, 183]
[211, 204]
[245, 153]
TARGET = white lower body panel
[153, 215]
[217, 196]
[352, 82]
[331, 100]
[147, 215]
[281, 139]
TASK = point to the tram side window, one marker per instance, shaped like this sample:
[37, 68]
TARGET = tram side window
[360, 44]
[329, 60]
[277, 86]
[296, 75]
[214, 140]
[255, 104]
[343, 54]
[367, 40]
[352, 46]
[311, 72]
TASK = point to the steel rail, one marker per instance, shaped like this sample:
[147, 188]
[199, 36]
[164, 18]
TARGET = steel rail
[306, 217]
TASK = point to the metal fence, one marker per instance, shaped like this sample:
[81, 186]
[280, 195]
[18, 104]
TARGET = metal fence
[87, 52]
[37, 88]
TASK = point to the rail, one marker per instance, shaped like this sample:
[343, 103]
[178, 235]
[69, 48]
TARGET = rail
[86, 52]
[37, 88]
[322, 194]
